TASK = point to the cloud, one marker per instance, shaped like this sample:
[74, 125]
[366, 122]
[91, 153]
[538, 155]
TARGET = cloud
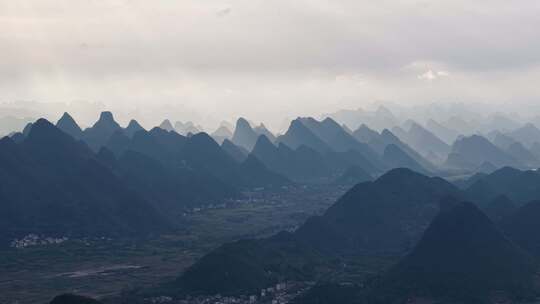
[430, 75]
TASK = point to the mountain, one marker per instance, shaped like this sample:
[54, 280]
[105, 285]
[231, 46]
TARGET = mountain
[339, 140]
[522, 154]
[365, 134]
[446, 134]
[244, 136]
[300, 165]
[379, 119]
[67, 124]
[354, 175]
[425, 142]
[394, 157]
[387, 215]
[73, 299]
[54, 185]
[499, 208]
[527, 135]
[462, 258]
[132, 128]
[97, 135]
[171, 190]
[246, 267]
[501, 140]
[187, 128]
[476, 150]
[222, 134]
[167, 125]
[522, 227]
[239, 154]
[262, 130]
[298, 134]
[519, 186]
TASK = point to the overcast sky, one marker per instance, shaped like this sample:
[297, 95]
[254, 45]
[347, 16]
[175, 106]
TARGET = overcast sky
[269, 59]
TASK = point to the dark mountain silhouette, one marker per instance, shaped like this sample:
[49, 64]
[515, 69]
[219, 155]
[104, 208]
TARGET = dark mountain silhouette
[394, 157]
[299, 135]
[387, 215]
[244, 136]
[247, 266]
[73, 299]
[54, 185]
[354, 175]
[476, 150]
[171, 190]
[519, 186]
[239, 154]
[522, 227]
[166, 125]
[67, 124]
[499, 208]
[527, 135]
[461, 257]
[132, 128]
[97, 135]
[300, 164]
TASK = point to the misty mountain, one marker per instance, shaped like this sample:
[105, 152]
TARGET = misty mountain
[132, 128]
[527, 135]
[55, 186]
[523, 155]
[381, 118]
[67, 124]
[166, 125]
[97, 135]
[446, 134]
[462, 257]
[394, 157]
[262, 130]
[475, 150]
[299, 135]
[244, 135]
[338, 139]
[221, 134]
[425, 142]
[187, 128]
[501, 140]
[239, 154]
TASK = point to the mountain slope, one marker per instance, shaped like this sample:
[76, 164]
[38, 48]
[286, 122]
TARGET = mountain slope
[54, 185]
[461, 257]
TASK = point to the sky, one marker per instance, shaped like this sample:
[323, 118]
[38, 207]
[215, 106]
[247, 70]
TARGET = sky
[267, 59]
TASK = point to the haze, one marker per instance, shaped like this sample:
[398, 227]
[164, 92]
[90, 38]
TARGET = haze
[268, 60]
